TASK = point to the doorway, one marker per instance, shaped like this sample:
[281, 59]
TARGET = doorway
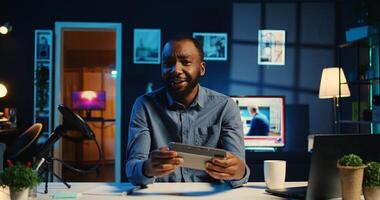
[88, 58]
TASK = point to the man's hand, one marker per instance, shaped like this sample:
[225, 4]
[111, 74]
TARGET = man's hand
[161, 162]
[230, 168]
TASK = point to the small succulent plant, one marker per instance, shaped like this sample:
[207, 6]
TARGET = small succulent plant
[351, 160]
[372, 175]
[19, 177]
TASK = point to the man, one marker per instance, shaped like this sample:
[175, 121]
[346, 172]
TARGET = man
[259, 123]
[185, 112]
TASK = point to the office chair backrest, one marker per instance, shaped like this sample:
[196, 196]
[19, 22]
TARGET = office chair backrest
[25, 142]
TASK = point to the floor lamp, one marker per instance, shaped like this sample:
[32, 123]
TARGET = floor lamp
[334, 85]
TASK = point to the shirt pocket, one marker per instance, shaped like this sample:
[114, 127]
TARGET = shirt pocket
[207, 136]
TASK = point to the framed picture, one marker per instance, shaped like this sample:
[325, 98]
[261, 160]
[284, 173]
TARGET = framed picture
[214, 45]
[271, 49]
[147, 46]
[43, 62]
[43, 44]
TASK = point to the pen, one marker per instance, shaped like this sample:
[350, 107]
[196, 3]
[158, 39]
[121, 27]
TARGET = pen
[39, 164]
[136, 188]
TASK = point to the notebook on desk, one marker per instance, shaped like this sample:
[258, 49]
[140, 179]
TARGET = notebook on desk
[324, 180]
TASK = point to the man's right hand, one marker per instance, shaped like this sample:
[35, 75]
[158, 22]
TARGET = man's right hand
[162, 162]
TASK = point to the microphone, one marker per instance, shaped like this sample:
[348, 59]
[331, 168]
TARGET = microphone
[58, 132]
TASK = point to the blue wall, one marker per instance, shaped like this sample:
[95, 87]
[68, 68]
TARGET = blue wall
[310, 46]
[310, 34]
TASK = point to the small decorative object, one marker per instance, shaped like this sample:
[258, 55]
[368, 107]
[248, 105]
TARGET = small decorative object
[351, 170]
[371, 182]
[19, 179]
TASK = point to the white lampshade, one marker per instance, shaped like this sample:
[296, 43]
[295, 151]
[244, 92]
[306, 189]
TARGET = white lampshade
[3, 90]
[329, 87]
[5, 28]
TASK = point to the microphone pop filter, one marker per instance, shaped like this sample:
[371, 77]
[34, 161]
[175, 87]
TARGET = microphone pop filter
[75, 121]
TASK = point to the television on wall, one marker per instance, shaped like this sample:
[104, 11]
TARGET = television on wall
[88, 100]
[263, 120]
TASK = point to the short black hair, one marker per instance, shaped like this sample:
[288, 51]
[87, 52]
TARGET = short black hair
[196, 43]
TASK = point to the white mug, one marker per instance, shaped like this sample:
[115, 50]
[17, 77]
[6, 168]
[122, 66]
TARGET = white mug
[274, 173]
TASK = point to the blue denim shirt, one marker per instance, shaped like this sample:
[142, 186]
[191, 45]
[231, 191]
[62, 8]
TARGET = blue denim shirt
[212, 120]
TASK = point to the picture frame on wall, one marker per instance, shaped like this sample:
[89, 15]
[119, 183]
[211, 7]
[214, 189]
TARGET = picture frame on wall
[43, 43]
[271, 48]
[214, 45]
[43, 62]
[147, 46]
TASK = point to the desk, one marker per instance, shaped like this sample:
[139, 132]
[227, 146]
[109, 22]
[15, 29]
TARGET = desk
[7, 131]
[175, 191]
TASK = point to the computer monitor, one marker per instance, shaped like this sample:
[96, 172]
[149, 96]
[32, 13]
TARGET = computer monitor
[263, 119]
[88, 100]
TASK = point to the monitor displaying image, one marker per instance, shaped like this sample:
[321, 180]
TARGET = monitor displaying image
[263, 120]
[88, 100]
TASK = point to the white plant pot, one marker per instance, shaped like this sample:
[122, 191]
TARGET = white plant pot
[371, 193]
[22, 195]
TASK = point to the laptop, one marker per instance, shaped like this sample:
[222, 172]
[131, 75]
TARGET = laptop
[324, 182]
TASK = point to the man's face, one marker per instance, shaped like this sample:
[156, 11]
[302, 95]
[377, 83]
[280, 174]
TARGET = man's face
[181, 67]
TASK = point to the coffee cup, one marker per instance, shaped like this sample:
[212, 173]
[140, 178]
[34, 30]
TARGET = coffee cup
[274, 173]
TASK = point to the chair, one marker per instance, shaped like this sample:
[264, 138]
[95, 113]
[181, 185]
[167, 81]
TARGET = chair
[24, 148]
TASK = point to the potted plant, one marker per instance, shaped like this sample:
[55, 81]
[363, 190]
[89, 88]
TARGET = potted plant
[19, 179]
[351, 170]
[371, 182]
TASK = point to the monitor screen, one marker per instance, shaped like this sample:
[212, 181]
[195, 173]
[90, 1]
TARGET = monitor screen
[88, 100]
[263, 120]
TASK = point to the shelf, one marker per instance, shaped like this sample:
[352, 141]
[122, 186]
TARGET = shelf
[355, 122]
[361, 43]
[363, 50]
[364, 82]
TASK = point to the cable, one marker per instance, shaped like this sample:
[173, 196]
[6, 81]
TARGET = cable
[92, 169]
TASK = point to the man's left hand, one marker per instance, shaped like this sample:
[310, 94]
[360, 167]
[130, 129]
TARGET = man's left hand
[228, 168]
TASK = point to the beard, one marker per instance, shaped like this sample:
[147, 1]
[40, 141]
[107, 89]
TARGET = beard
[177, 93]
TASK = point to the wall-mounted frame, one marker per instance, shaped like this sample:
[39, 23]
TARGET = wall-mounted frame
[43, 78]
[147, 46]
[214, 45]
[271, 48]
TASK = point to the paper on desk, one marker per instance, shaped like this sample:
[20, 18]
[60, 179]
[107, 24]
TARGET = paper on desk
[66, 195]
[110, 189]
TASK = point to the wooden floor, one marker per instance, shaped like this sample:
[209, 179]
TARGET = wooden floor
[106, 174]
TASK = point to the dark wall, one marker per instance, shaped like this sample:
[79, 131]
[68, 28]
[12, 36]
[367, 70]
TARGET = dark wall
[16, 49]
[172, 17]
[311, 43]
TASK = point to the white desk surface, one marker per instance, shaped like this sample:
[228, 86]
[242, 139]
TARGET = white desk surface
[93, 191]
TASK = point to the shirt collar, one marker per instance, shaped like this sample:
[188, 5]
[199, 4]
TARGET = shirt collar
[199, 99]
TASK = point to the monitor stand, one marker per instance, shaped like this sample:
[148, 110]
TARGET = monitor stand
[88, 117]
[88, 114]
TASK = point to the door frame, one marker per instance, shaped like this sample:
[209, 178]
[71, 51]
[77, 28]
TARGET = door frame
[60, 27]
